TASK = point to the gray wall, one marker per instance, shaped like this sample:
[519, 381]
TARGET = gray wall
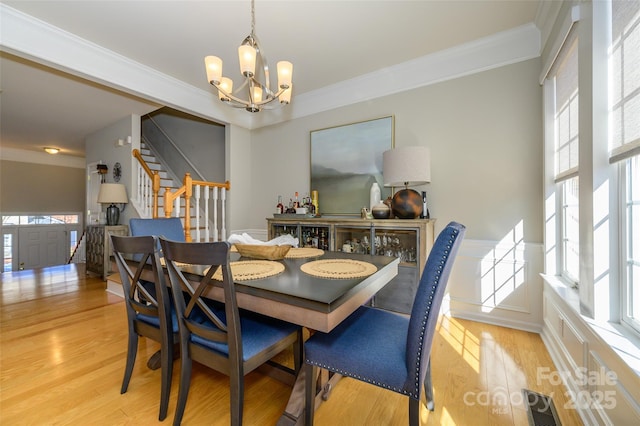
[40, 188]
[485, 136]
[101, 147]
[201, 141]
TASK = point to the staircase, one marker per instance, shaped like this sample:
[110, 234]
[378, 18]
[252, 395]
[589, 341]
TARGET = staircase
[154, 164]
[200, 204]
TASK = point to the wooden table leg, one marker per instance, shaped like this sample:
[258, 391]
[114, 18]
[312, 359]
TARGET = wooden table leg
[294, 413]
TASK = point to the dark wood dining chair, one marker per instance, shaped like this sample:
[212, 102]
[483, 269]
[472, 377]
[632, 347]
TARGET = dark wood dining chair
[387, 349]
[220, 335]
[148, 307]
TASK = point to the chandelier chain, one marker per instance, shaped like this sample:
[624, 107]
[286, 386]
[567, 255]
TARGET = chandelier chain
[253, 17]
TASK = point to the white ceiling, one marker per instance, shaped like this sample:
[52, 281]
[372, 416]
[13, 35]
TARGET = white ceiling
[328, 42]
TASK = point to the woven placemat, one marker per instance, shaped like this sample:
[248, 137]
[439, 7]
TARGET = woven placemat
[178, 264]
[251, 270]
[338, 268]
[303, 252]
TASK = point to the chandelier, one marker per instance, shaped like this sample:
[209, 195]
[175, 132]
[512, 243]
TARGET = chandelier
[256, 85]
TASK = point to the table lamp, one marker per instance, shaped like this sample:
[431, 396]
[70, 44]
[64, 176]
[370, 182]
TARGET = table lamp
[410, 165]
[112, 193]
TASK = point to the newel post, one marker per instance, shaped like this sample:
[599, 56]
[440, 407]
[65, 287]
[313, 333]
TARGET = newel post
[156, 190]
[188, 192]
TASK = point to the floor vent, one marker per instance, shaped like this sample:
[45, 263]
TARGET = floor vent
[540, 409]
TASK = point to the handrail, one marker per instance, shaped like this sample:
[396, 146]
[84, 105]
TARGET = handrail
[174, 145]
[155, 180]
[172, 200]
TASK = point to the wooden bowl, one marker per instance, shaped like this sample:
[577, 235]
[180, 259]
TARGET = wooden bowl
[262, 252]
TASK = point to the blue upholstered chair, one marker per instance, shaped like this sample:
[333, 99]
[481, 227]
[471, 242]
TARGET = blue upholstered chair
[220, 335]
[148, 307]
[387, 349]
[168, 227]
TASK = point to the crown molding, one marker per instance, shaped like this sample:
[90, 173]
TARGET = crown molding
[41, 42]
[504, 48]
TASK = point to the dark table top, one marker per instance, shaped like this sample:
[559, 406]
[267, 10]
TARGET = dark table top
[298, 288]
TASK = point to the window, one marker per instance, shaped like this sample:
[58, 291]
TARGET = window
[41, 219]
[570, 231]
[566, 139]
[631, 278]
[624, 145]
[7, 255]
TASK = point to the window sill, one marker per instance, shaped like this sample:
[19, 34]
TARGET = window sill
[624, 342]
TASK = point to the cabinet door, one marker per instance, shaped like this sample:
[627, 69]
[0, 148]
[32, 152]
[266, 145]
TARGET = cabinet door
[400, 243]
[281, 229]
[95, 248]
[314, 236]
[398, 295]
[353, 239]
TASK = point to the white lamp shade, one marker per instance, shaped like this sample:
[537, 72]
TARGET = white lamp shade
[256, 92]
[247, 57]
[285, 74]
[409, 165]
[226, 84]
[112, 193]
[285, 97]
[213, 65]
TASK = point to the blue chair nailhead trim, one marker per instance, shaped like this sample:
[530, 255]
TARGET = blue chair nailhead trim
[363, 379]
[425, 318]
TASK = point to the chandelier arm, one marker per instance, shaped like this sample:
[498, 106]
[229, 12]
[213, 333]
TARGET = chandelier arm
[249, 103]
[264, 63]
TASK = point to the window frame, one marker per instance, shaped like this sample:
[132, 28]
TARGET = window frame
[628, 315]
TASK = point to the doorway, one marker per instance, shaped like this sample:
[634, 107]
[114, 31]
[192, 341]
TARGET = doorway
[38, 241]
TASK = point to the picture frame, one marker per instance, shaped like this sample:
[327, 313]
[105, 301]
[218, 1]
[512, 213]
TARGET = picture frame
[346, 160]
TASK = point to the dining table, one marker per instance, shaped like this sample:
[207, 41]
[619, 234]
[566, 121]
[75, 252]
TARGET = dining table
[301, 297]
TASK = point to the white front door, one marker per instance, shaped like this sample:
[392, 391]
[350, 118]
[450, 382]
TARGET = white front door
[41, 246]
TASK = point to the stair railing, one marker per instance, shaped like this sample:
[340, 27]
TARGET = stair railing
[148, 187]
[209, 199]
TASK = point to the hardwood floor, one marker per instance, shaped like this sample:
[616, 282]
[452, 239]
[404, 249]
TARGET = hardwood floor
[63, 349]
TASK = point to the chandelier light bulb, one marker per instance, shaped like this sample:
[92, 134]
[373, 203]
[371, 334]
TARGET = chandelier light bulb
[285, 97]
[285, 72]
[226, 84]
[247, 56]
[257, 94]
[213, 66]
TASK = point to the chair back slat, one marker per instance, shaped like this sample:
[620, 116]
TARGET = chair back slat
[426, 305]
[190, 312]
[143, 251]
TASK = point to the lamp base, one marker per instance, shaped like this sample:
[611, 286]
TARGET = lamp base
[406, 204]
[113, 215]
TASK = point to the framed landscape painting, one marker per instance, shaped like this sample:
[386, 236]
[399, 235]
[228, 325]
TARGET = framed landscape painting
[346, 160]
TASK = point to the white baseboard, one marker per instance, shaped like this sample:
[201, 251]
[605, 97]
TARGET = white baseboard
[114, 287]
[494, 319]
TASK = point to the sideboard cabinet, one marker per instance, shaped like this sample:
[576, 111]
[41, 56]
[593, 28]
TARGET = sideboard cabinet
[98, 247]
[409, 240]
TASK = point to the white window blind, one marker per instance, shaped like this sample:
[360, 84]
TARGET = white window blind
[624, 64]
[565, 73]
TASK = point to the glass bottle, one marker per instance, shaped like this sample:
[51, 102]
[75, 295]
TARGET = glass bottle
[279, 206]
